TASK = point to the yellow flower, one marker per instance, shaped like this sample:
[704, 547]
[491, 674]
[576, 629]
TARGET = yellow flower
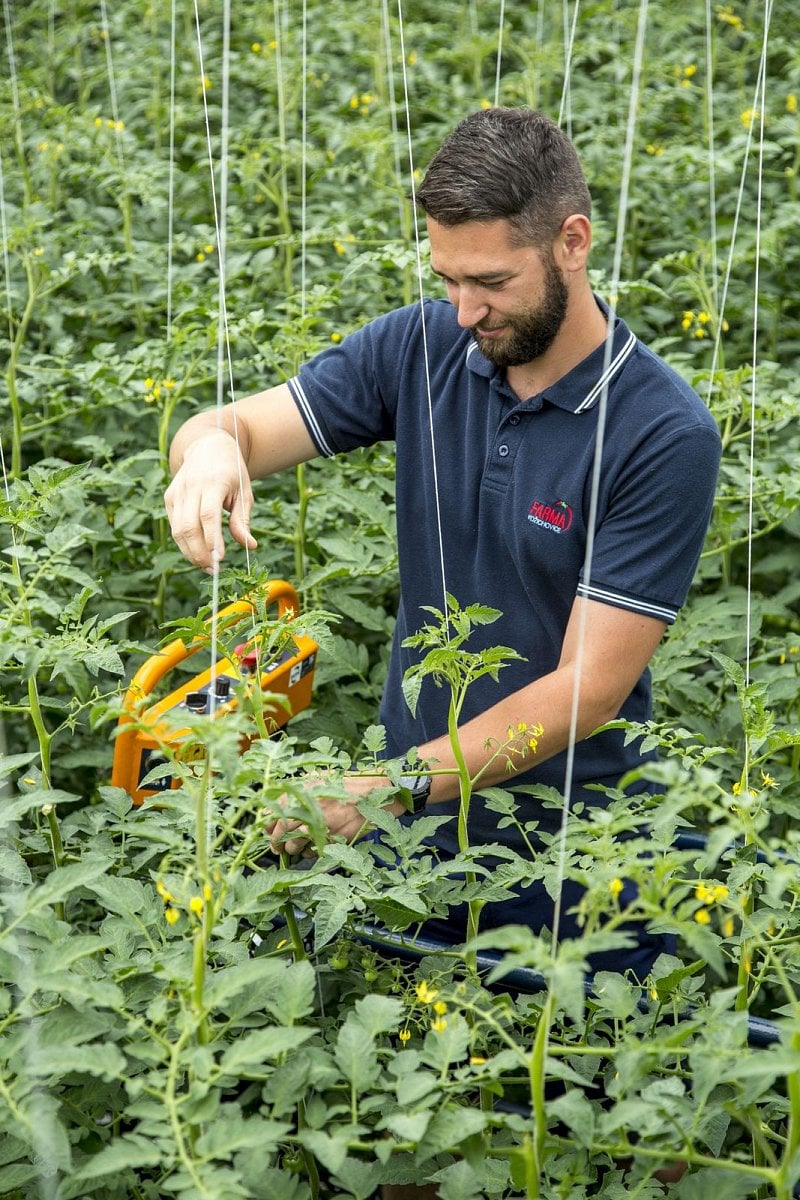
[163, 893]
[720, 892]
[704, 893]
[702, 916]
[749, 117]
[338, 247]
[171, 915]
[148, 383]
[726, 14]
[440, 1008]
[206, 84]
[791, 103]
[476, 1060]
[768, 780]
[690, 70]
[439, 1025]
[653, 993]
[486, 103]
[425, 993]
[208, 249]
[336, 337]
[727, 927]
[615, 887]
[256, 47]
[354, 101]
[207, 892]
[196, 905]
[737, 788]
[411, 58]
[404, 1035]
[703, 318]
[688, 318]
[119, 126]
[168, 384]
[200, 257]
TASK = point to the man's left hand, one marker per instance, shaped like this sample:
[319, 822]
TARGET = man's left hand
[340, 813]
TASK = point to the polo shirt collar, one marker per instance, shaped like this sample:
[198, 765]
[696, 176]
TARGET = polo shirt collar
[581, 388]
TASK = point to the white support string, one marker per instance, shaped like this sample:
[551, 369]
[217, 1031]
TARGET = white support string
[622, 212]
[398, 170]
[738, 212]
[565, 107]
[759, 108]
[417, 243]
[171, 170]
[501, 26]
[223, 331]
[303, 159]
[712, 162]
[112, 84]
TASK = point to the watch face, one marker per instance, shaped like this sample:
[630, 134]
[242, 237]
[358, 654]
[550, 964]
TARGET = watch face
[419, 788]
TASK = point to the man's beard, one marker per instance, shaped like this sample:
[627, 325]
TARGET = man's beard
[532, 332]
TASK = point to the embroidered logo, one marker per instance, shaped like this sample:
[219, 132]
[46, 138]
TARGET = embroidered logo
[556, 518]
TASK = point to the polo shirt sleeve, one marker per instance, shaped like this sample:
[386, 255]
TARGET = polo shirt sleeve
[347, 395]
[649, 538]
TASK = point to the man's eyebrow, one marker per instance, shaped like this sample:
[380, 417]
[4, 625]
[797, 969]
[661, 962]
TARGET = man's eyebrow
[487, 277]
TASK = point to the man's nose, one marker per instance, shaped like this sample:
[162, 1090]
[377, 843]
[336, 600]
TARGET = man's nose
[471, 307]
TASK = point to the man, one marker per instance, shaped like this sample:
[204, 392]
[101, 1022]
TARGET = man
[514, 369]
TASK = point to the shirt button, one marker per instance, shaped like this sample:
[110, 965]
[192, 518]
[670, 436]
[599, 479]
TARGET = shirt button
[514, 420]
[503, 450]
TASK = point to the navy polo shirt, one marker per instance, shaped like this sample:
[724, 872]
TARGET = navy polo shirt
[514, 482]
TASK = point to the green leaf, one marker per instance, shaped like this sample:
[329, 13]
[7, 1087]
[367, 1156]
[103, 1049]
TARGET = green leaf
[355, 1055]
[128, 1151]
[54, 1062]
[378, 1014]
[577, 1113]
[231, 1132]
[358, 1177]
[291, 993]
[449, 1128]
[252, 1051]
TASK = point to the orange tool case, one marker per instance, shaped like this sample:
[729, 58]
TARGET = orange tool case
[147, 736]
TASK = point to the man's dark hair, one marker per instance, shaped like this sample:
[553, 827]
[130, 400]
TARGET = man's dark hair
[506, 163]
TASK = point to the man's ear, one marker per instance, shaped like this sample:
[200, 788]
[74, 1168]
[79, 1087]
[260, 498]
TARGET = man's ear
[573, 243]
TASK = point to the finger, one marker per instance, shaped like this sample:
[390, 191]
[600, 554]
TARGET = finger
[240, 518]
[196, 522]
[285, 837]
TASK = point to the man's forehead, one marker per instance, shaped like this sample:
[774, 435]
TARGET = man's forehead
[478, 251]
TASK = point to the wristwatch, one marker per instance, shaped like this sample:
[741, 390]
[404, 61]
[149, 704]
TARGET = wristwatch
[416, 785]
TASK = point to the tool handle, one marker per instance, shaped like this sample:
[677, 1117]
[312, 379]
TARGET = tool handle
[278, 592]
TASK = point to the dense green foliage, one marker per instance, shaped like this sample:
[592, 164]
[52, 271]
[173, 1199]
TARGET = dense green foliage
[150, 1045]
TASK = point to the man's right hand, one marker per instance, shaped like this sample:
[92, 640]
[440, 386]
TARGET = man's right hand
[212, 479]
[213, 457]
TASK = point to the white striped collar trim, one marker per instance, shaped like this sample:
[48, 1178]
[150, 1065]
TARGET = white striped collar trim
[605, 379]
